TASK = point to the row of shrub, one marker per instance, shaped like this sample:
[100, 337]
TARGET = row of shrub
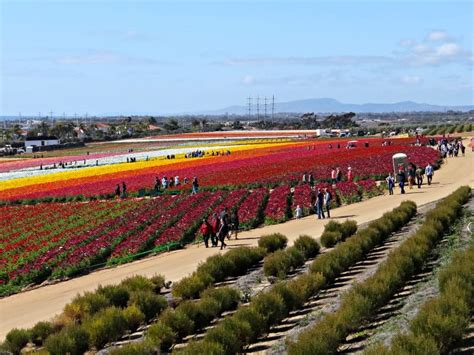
[441, 322]
[267, 309]
[281, 262]
[360, 303]
[335, 232]
[95, 318]
[449, 129]
[217, 268]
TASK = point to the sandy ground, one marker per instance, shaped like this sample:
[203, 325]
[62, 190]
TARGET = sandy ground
[27, 308]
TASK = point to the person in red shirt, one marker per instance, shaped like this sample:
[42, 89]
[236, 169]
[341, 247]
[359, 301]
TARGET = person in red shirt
[350, 174]
[215, 226]
[205, 231]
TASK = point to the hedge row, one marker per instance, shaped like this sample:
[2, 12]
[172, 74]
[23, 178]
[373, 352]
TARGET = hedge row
[441, 322]
[217, 268]
[95, 318]
[335, 232]
[281, 262]
[360, 303]
[269, 308]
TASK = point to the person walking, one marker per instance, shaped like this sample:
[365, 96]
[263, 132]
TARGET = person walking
[319, 204]
[214, 229]
[234, 220]
[390, 183]
[333, 176]
[205, 231]
[195, 185]
[124, 189]
[411, 176]
[311, 179]
[157, 184]
[327, 201]
[298, 212]
[117, 190]
[338, 174]
[303, 179]
[223, 229]
[462, 148]
[419, 176]
[401, 179]
[429, 172]
[350, 174]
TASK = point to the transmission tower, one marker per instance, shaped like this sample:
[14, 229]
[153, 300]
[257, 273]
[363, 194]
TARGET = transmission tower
[258, 108]
[273, 106]
[249, 104]
[265, 109]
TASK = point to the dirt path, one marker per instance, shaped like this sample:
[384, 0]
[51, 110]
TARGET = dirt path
[27, 308]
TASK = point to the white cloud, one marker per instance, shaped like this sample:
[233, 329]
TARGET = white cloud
[248, 80]
[105, 58]
[435, 36]
[411, 80]
[448, 50]
[407, 43]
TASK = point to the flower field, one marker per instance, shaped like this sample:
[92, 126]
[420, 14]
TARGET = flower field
[260, 182]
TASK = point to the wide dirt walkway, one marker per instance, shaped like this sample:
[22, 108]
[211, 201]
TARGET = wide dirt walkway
[27, 308]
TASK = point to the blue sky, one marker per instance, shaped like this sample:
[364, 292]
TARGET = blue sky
[167, 57]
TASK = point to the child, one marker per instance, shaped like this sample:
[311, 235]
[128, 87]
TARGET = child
[391, 183]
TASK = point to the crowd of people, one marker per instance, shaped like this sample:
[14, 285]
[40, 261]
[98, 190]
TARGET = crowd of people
[451, 148]
[222, 226]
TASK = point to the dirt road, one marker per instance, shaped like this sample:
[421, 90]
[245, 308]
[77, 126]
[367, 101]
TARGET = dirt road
[25, 309]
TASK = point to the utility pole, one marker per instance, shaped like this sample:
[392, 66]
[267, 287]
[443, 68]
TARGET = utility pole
[273, 106]
[249, 102]
[265, 109]
[258, 108]
[75, 119]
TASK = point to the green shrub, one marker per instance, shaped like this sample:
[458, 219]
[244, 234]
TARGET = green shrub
[202, 312]
[289, 296]
[329, 238]
[217, 266]
[178, 321]
[40, 332]
[72, 339]
[158, 282]
[138, 283]
[227, 297]
[161, 335]
[148, 303]
[295, 256]
[252, 317]
[106, 326]
[136, 348]
[191, 286]
[117, 296]
[202, 347]
[231, 334]
[16, 340]
[271, 306]
[134, 317]
[276, 264]
[411, 344]
[308, 246]
[272, 242]
[84, 305]
[348, 228]
[332, 226]
[305, 286]
[243, 258]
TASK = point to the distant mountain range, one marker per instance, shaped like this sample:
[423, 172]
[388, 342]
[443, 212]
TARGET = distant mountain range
[322, 105]
[328, 105]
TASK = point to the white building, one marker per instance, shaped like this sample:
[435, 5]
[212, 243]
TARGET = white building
[41, 141]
